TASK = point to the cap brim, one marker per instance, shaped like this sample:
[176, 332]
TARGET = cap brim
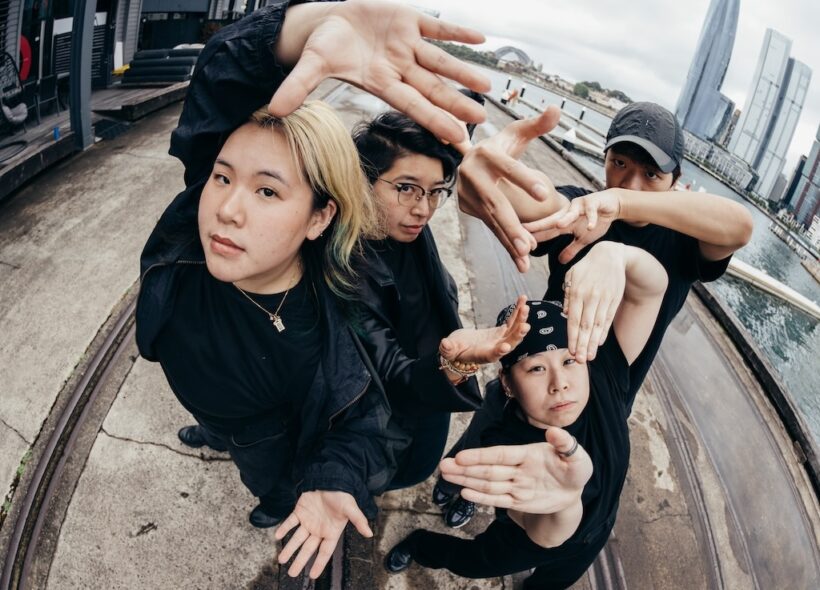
[665, 163]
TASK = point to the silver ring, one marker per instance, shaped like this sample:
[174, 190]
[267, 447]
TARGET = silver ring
[570, 452]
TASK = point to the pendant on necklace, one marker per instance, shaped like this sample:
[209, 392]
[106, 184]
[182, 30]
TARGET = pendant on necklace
[277, 322]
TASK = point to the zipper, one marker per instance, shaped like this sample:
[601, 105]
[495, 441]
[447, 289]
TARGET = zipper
[350, 403]
[156, 264]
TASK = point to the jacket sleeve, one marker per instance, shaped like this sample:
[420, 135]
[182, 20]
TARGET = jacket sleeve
[358, 453]
[236, 73]
[413, 386]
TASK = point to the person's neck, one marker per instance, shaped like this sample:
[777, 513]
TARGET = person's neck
[276, 281]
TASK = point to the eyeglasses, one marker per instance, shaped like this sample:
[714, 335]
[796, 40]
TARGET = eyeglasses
[409, 194]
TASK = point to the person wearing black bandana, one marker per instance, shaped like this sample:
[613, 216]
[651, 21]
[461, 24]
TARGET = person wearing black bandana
[570, 417]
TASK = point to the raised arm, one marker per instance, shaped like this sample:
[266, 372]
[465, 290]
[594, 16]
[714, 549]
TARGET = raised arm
[720, 225]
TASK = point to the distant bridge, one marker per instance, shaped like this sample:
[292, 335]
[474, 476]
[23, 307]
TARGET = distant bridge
[508, 50]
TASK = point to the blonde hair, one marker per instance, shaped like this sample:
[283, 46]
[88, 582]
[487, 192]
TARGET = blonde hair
[323, 149]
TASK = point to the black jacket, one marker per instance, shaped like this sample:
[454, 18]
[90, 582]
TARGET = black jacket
[342, 439]
[414, 386]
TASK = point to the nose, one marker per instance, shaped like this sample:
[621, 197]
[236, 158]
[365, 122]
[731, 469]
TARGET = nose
[631, 181]
[558, 384]
[421, 208]
[231, 210]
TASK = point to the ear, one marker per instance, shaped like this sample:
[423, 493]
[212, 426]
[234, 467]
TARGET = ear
[320, 219]
[505, 384]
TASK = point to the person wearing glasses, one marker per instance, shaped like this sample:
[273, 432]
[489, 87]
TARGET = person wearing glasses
[408, 309]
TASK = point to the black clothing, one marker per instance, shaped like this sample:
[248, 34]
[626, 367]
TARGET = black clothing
[386, 323]
[504, 548]
[337, 433]
[409, 303]
[227, 386]
[678, 253]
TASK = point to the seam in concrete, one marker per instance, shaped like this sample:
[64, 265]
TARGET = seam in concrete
[411, 511]
[10, 265]
[144, 157]
[15, 431]
[200, 456]
[664, 516]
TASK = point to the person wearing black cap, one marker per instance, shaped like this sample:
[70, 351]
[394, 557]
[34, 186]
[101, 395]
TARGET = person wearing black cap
[692, 234]
[568, 417]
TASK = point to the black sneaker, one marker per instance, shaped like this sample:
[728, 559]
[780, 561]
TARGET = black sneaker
[398, 559]
[440, 497]
[193, 437]
[262, 520]
[459, 513]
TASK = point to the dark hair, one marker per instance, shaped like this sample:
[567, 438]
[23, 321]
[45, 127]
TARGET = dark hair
[393, 135]
[639, 155]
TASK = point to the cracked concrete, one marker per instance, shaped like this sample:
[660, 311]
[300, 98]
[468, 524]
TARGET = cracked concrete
[199, 456]
[71, 241]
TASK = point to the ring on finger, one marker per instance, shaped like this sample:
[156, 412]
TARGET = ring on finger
[570, 452]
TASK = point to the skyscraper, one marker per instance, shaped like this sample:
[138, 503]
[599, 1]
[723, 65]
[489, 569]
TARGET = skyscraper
[761, 100]
[773, 106]
[806, 198]
[780, 131]
[701, 108]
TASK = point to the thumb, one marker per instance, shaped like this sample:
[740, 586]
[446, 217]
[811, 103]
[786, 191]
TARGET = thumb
[358, 519]
[302, 80]
[571, 251]
[559, 438]
[446, 347]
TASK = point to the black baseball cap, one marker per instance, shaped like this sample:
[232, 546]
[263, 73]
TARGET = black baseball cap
[651, 127]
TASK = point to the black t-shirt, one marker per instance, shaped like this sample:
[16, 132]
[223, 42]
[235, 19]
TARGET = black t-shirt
[678, 253]
[226, 362]
[601, 429]
[418, 325]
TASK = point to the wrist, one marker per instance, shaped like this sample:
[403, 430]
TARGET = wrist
[456, 371]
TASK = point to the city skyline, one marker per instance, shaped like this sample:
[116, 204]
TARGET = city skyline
[701, 108]
[641, 50]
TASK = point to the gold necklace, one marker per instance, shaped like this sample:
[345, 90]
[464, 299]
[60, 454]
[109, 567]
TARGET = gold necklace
[274, 317]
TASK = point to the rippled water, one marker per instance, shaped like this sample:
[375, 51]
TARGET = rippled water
[789, 337]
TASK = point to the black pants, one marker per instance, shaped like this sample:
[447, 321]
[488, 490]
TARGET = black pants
[421, 458]
[263, 455]
[491, 410]
[503, 549]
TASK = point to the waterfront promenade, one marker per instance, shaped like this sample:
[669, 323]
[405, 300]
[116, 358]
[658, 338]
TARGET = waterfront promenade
[717, 495]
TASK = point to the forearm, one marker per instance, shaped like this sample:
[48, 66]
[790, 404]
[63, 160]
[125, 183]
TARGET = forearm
[710, 219]
[550, 530]
[527, 208]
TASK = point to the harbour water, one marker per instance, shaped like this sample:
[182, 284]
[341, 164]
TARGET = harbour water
[790, 338]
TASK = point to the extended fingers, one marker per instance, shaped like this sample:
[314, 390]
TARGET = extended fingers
[322, 558]
[490, 472]
[410, 101]
[300, 536]
[500, 455]
[441, 30]
[586, 325]
[305, 76]
[291, 521]
[498, 501]
[442, 63]
[308, 549]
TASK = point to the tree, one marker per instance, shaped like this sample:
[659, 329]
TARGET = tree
[581, 90]
[593, 86]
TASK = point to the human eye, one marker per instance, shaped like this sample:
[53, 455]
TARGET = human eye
[536, 369]
[569, 361]
[440, 193]
[221, 179]
[618, 162]
[406, 188]
[652, 175]
[267, 192]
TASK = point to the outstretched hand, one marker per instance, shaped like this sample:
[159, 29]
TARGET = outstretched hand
[535, 478]
[593, 290]
[587, 218]
[487, 345]
[321, 517]
[380, 48]
[494, 159]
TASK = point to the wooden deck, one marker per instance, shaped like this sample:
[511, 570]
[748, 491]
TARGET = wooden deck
[41, 150]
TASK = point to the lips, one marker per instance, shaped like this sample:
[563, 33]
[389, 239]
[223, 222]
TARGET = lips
[414, 229]
[560, 406]
[224, 246]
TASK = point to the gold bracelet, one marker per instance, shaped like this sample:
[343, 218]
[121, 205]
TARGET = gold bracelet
[463, 369]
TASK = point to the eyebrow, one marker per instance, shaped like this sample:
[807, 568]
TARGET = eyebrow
[411, 178]
[271, 173]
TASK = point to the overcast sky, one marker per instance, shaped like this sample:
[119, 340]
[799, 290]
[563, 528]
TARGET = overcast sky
[644, 47]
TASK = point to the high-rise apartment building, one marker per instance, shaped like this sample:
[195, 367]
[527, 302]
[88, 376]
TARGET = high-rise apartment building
[702, 109]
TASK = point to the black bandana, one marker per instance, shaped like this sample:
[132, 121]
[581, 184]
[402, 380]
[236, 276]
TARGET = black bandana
[548, 330]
